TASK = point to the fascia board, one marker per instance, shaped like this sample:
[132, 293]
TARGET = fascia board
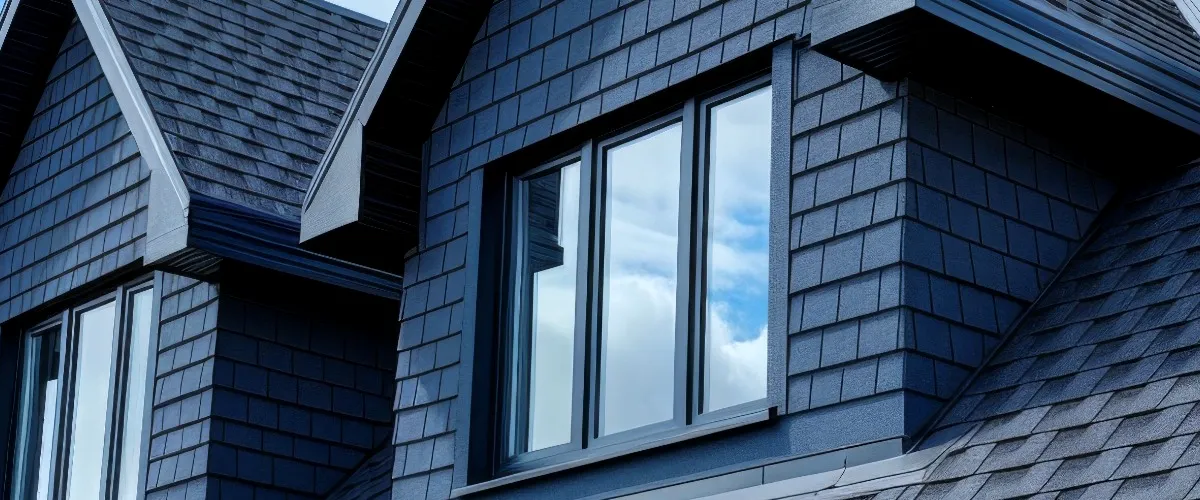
[6, 18]
[1191, 12]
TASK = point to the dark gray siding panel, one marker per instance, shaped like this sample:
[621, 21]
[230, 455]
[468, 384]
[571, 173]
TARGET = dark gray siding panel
[995, 209]
[922, 227]
[848, 199]
[261, 398]
[301, 392]
[74, 207]
[180, 439]
[536, 71]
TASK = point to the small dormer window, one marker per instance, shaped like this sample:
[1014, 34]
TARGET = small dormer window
[637, 300]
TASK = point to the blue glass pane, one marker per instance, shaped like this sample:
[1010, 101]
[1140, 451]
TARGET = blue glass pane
[735, 369]
[637, 371]
[92, 386]
[140, 361]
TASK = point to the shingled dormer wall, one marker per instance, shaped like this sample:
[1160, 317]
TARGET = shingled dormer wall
[73, 209]
[919, 226]
[266, 394]
[923, 225]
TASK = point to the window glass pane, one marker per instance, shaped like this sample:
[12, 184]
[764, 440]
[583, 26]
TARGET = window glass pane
[637, 365]
[93, 379]
[735, 369]
[135, 400]
[551, 221]
[39, 404]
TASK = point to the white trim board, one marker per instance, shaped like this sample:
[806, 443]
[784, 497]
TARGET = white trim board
[169, 196]
[7, 14]
[1191, 12]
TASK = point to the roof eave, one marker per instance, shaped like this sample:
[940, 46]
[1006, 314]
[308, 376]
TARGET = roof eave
[851, 31]
[7, 13]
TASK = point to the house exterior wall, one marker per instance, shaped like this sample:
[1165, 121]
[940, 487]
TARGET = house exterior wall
[261, 397]
[919, 229]
[922, 227]
[74, 207]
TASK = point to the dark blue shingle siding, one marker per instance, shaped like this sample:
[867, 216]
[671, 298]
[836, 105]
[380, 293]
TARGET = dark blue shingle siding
[74, 206]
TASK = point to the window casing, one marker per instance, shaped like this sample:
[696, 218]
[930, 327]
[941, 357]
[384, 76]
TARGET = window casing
[620, 284]
[82, 410]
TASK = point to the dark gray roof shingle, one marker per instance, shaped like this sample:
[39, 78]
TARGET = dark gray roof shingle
[1096, 393]
[247, 92]
[372, 480]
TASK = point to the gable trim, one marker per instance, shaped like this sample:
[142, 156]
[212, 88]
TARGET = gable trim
[362, 105]
[6, 19]
[1191, 13]
[169, 198]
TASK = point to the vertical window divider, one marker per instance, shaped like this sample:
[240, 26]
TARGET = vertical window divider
[699, 271]
[586, 274]
[115, 395]
[685, 327]
[597, 174]
[66, 391]
[522, 342]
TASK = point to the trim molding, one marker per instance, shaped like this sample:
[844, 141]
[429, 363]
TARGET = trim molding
[1131, 72]
[366, 96]
[875, 30]
[1191, 12]
[6, 18]
[230, 231]
[362, 104]
[169, 196]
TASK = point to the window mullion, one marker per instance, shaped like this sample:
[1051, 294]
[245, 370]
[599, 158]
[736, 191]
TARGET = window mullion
[596, 173]
[685, 327]
[585, 279]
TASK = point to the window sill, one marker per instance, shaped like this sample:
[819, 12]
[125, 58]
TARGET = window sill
[615, 451]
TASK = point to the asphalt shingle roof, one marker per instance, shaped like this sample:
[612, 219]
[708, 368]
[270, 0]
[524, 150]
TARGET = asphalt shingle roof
[372, 480]
[1157, 24]
[1096, 394]
[247, 92]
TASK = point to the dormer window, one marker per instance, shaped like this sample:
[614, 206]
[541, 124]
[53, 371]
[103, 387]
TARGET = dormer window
[637, 301]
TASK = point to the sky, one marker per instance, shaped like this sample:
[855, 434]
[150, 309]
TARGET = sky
[379, 9]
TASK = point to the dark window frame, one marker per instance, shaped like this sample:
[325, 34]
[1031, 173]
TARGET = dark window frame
[587, 441]
[65, 325]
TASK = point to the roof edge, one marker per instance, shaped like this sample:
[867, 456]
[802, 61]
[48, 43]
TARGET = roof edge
[366, 96]
[7, 13]
[169, 196]
[1190, 9]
